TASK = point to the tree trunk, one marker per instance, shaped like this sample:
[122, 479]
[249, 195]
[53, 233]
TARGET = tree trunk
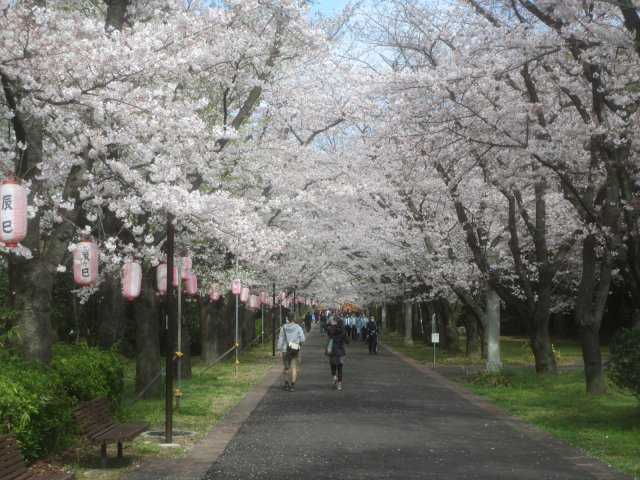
[590, 303]
[408, 323]
[211, 334]
[148, 322]
[492, 331]
[545, 359]
[383, 317]
[472, 338]
[111, 313]
[592, 357]
[185, 340]
[635, 320]
[449, 337]
[34, 283]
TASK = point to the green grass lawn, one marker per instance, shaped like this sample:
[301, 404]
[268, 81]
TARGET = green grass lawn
[207, 397]
[514, 351]
[606, 427]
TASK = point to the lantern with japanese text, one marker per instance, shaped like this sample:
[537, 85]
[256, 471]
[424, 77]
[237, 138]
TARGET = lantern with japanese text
[244, 294]
[132, 280]
[161, 278]
[263, 297]
[214, 293]
[191, 285]
[236, 287]
[13, 213]
[85, 263]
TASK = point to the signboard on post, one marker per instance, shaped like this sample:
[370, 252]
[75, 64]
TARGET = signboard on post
[435, 338]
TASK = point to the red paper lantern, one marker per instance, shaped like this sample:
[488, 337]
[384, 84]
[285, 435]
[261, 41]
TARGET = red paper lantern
[161, 278]
[244, 294]
[13, 213]
[236, 287]
[85, 263]
[191, 285]
[132, 280]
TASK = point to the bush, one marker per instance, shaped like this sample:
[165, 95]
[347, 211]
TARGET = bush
[624, 360]
[36, 403]
[87, 372]
[33, 406]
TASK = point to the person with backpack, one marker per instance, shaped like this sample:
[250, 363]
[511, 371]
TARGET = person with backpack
[290, 341]
[371, 330]
[338, 338]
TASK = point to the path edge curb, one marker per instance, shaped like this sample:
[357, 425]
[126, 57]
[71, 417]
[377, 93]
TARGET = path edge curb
[597, 469]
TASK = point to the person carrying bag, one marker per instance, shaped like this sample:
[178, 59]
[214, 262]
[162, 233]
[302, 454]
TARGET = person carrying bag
[290, 342]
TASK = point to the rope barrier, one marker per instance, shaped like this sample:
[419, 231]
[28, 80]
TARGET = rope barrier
[139, 396]
[217, 360]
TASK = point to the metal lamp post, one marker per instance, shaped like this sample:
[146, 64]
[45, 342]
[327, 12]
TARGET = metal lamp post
[168, 398]
[273, 321]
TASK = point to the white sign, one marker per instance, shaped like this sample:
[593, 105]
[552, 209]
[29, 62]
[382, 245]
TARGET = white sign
[435, 338]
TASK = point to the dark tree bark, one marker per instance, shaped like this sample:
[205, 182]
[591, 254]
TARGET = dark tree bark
[590, 304]
[447, 320]
[472, 336]
[111, 313]
[185, 334]
[408, 324]
[148, 324]
[211, 328]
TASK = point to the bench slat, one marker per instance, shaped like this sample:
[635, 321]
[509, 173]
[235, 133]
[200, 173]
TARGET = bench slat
[122, 432]
[12, 466]
[97, 425]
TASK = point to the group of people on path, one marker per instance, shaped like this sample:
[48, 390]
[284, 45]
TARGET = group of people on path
[339, 330]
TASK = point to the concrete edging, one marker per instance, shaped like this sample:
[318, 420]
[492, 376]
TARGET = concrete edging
[595, 468]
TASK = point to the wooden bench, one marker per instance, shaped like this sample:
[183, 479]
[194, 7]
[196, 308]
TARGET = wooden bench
[98, 427]
[12, 466]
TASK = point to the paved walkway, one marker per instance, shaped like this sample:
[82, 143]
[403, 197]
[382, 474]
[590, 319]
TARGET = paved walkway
[391, 421]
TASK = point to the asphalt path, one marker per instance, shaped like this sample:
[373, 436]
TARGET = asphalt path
[390, 421]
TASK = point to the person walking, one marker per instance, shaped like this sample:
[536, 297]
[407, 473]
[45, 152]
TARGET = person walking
[308, 318]
[290, 342]
[336, 350]
[372, 335]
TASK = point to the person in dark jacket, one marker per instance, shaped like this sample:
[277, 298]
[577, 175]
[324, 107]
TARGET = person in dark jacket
[371, 330]
[337, 334]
